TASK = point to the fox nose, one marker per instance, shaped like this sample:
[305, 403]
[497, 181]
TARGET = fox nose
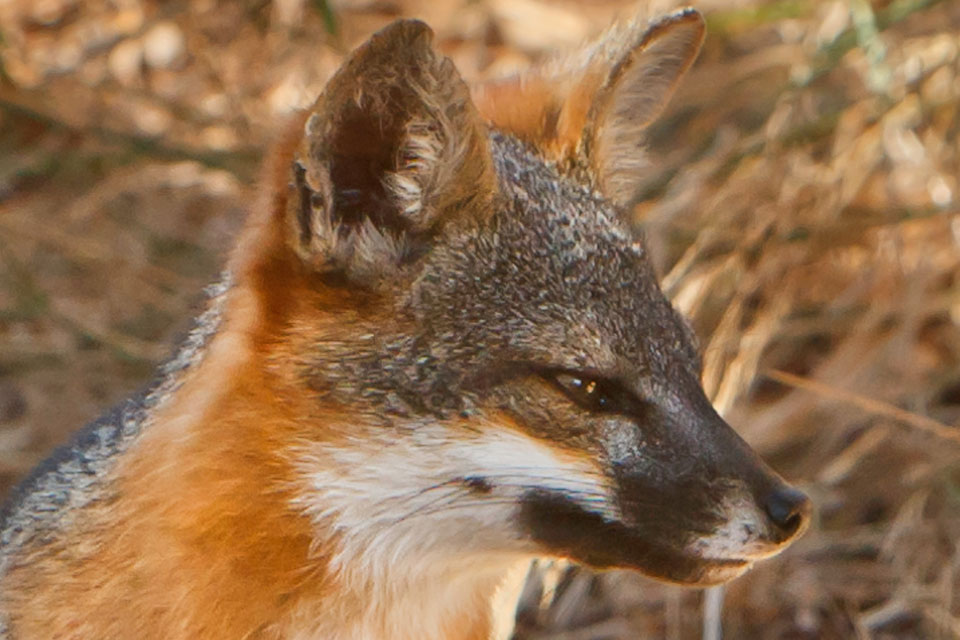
[789, 511]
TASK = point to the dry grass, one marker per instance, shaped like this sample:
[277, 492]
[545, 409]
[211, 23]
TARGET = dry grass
[804, 210]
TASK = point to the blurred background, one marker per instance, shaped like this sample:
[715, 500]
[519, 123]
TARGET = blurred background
[803, 209]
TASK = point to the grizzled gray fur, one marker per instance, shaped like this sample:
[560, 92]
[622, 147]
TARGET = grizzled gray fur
[73, 476]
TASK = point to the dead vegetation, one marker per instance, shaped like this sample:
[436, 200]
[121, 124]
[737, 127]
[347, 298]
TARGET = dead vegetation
[802, 205]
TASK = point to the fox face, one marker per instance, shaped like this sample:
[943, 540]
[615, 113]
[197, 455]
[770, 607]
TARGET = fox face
[508, 378]
[440, 350]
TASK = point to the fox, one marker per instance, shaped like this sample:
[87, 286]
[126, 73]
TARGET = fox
[438, 351]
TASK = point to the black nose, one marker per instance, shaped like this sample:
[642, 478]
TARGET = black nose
[789, 510]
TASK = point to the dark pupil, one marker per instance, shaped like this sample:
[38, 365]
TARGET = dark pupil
[599, 395]
[592, 392]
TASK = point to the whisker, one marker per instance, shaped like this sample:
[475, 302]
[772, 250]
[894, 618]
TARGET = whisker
[537, 478]
[588, 490]
[450, 502]
[534, 469]
[447, 496]
[487, 503]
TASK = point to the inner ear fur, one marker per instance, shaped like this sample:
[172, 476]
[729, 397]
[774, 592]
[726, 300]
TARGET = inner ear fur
[392, 150]
[592, 111]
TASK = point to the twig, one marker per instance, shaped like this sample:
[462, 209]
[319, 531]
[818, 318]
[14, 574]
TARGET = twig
[240, 162]
[611, 628]
[38, 302]
[870, 405]
[713, 613]
[885, 18]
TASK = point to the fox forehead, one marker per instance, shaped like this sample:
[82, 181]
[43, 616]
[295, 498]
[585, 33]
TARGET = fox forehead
[555, 275]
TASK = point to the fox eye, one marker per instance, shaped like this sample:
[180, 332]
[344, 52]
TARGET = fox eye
[593, 394]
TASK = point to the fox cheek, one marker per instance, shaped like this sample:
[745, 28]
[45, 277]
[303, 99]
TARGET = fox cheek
[622, 441]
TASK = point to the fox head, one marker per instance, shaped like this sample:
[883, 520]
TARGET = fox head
[491, 367]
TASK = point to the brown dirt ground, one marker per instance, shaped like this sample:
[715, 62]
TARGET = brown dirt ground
[802, 205]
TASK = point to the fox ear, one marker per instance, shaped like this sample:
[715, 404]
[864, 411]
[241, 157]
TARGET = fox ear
[392, 150]
[594, 112]
[638, 88]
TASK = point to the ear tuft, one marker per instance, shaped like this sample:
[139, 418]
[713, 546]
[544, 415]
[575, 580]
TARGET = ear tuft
[392, 150]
